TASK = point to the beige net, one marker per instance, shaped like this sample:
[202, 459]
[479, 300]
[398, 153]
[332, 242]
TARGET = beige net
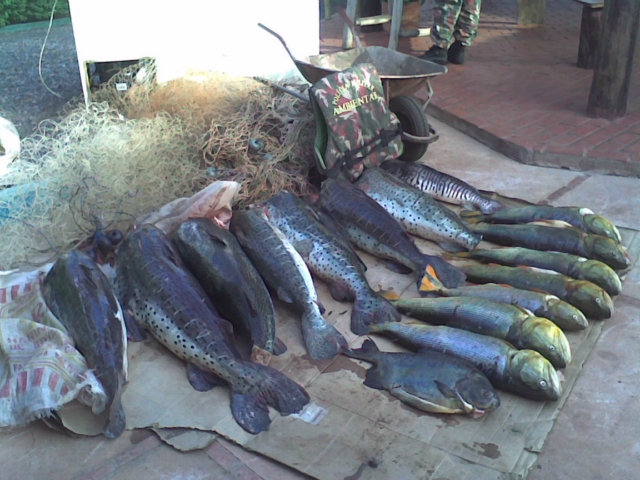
[128, 154]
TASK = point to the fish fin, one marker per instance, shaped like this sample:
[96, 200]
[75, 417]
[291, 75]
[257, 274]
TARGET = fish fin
[260, 355]
[340, 293]
[284, 295]
[321, 338]
[429, 281]
[251, 412]
[267, 387]
[304, 247]
[472, 216]
[388, 294]
[447, 275]
[371, 310]
[445, 390]
[201, 380]
[455, 255]
[117, 421]
[368, 351]
[451, 247]
[135, 332]
[398, 268]
[279, 347]
[373, 379]
[321, 307]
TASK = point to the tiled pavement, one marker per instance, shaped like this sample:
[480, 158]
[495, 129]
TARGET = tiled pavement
[521, 93]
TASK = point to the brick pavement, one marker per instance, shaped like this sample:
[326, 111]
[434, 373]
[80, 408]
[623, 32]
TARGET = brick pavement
[521, 92]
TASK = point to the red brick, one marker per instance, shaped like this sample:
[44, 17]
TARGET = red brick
[565, 150]
[593, 140]
[576, 120]
[633, 148]
[629, 120]
[562, 140]
[552, 132]
[499, 131]
[585, 129]
[619, 142]
[528, 131]
[635, 129]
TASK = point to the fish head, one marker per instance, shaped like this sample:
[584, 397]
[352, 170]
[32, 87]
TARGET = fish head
[531, 371]
[609, 252]
[544, 336]
[602, 226]
[476, 393]
[567, 312]
[605, 274]
[593, 300]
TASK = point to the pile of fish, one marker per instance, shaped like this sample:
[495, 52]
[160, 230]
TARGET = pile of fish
[199, 289]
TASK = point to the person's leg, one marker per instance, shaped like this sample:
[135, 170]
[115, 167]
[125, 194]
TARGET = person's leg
[445, 16]
[466, 30]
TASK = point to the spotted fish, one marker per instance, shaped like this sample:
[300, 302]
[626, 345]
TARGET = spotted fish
[160, 294]
[330, 260]
[441, 186]
[286, 274]
[418, 213]
[81, 297]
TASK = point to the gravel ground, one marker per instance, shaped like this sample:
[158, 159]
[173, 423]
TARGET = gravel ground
[23, 98]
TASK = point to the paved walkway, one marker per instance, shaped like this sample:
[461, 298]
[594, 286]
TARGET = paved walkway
[522, 94]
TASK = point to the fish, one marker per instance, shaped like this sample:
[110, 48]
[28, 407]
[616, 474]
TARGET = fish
[80, 295]
[563, 314]
[214, 256]
[163, 297]
[287, 276]
[567, 240]
[580, 217]
[487, 317]
[573, 266]
[418, 213]
[372, 229]
[429, 381]
[329, 260]
[592, 300]
[524, 372]
[441, 186]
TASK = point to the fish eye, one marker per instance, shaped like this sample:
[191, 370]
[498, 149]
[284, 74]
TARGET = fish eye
[552, 348]
[598, 301]
[575, 317]
[543, 384]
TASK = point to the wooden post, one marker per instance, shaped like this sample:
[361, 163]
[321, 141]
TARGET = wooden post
[614, 59]
[531, 12]
[590, 32]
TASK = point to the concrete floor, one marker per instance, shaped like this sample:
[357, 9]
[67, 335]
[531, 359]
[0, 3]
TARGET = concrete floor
[595, 434]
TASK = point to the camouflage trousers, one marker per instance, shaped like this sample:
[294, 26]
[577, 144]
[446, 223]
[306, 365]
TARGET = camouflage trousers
[455, 20]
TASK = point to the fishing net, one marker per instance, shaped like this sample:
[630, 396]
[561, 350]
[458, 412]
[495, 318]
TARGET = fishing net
[131, 152]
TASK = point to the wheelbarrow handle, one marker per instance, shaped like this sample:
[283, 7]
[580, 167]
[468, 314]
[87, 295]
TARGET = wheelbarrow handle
[284, 44]
[433, 136]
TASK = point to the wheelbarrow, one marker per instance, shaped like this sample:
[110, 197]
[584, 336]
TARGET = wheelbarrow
[401, 76]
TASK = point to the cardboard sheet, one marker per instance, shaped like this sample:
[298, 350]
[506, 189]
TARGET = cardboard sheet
[349, 430]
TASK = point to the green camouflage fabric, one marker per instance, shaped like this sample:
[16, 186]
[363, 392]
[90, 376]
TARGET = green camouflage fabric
[455, 20]
[355, 128]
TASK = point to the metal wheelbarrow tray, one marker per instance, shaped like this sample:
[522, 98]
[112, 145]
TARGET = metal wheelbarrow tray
[401, 76]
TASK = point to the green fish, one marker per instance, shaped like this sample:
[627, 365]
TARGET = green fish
[429, 381]
[579, 217]
[592, 300]
[563, 314]
[580, 268]
[524, 372]
[500, 320]
[568, 240]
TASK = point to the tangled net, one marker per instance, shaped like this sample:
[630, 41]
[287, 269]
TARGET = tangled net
[126, 155]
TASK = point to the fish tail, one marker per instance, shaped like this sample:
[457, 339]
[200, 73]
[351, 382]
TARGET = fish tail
[368, 351]
[371, 309]
[472, 216]
[266, 387]
[320, 337]
[117, 419]
[446, 275]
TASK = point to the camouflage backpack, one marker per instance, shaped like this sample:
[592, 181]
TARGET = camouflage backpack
[355, 128]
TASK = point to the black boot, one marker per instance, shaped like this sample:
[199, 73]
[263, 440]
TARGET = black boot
[456, 53]
[436, 54]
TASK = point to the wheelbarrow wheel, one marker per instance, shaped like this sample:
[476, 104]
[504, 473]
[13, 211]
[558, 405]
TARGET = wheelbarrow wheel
[414, 121]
